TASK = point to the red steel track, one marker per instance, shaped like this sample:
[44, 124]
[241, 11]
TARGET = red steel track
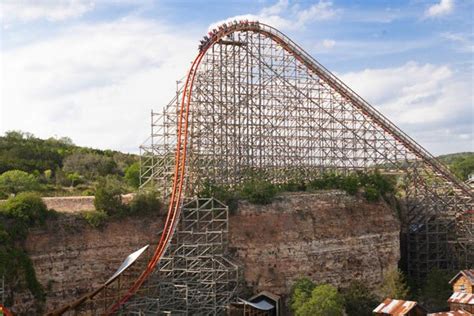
[182, 133]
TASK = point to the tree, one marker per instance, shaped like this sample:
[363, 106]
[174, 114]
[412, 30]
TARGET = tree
[301, 292]
[394, 285]
[132, 174]
[108, 196]
[15, 181]
[27, 208]
[436, 290]
[324, 301]
[359, 300]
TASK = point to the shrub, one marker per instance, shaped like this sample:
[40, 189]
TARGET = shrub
[95, 218]
[132, 174]
[223, 194]
[324, 301]
[145, 203]
[27, 208]
[108, 197]
[394, 285]
[300, 293]
[258, 191]
[358, 300]
[15, 181]
[436, 290]
[371, 194]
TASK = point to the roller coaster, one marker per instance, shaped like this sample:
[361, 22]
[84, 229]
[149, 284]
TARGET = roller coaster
[253, 100]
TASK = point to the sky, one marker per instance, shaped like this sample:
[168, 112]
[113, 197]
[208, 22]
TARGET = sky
[93, 70]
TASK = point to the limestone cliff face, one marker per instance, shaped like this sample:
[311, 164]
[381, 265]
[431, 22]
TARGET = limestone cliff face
[327, 236]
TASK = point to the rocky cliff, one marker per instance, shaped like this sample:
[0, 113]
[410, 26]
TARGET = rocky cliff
[327, 236]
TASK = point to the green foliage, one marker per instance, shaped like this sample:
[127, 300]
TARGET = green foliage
[436, 290]
[461, 164]
[145, 203]
[95, 218]
[371, 194]
[74, 178]
[90, 165]
[108, 196]
[300, 293]
[27, 208]
[324, 301]
[15, 181]
[132, 174]
[258, 191]
[359, 300]
[394, 285]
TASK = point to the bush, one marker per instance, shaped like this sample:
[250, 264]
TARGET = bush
[371, 194]
[145, 203]
[300, 293]
[324, 301]
[95, 218]
[394, 285]
[258, 191]
[27, 208]
[359, 300]
[223, 194]
[132, 174]
[108, 197]
[15, 181]
[436, 290]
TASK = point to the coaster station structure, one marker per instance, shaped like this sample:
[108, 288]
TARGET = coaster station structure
[252, 102]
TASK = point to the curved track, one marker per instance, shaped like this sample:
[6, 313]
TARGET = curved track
[182, 133]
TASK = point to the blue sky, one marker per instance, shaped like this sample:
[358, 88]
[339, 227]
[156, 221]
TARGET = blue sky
[92, 70]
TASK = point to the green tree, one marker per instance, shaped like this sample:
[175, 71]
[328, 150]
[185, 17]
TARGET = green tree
[108, 196]
[359, 300]
[394, 285]
[300, 293]
[15, 181]
[26, 207]
[324, 301]
[145, 203]
[436, 290]
[132, 174]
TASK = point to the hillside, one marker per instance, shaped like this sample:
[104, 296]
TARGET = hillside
[55, 166]
[461, 164]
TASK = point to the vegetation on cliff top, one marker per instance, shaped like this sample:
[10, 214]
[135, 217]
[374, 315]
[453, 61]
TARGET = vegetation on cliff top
[56, 166]
[17, 215]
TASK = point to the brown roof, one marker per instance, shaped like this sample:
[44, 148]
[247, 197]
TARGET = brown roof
[395, 307]
[451, 313]
[468, 274]
[462, 298]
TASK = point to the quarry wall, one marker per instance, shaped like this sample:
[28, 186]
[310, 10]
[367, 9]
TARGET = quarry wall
[327, 236]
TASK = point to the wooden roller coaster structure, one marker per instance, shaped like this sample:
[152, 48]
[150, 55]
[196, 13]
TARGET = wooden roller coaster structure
[433, 184]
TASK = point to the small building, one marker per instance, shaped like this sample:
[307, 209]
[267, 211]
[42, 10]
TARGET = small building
[462, 301]
[262, 304]
[391, 307]
[463, 282]
[451, 313]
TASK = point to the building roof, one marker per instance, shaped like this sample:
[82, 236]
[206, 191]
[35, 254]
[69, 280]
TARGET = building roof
[395, 307]
[462, 298]
[468, 274]
[270, 295]
[451, 313]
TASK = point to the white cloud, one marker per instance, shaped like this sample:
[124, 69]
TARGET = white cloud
[95, 83]
[442, 8]
[432, 103]
[52, 10]
[282, 16]
[464, 42]
[328, 43]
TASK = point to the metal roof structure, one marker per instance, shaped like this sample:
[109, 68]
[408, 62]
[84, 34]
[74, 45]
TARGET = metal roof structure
[395, 307]
[462, 298]
[451, 313]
